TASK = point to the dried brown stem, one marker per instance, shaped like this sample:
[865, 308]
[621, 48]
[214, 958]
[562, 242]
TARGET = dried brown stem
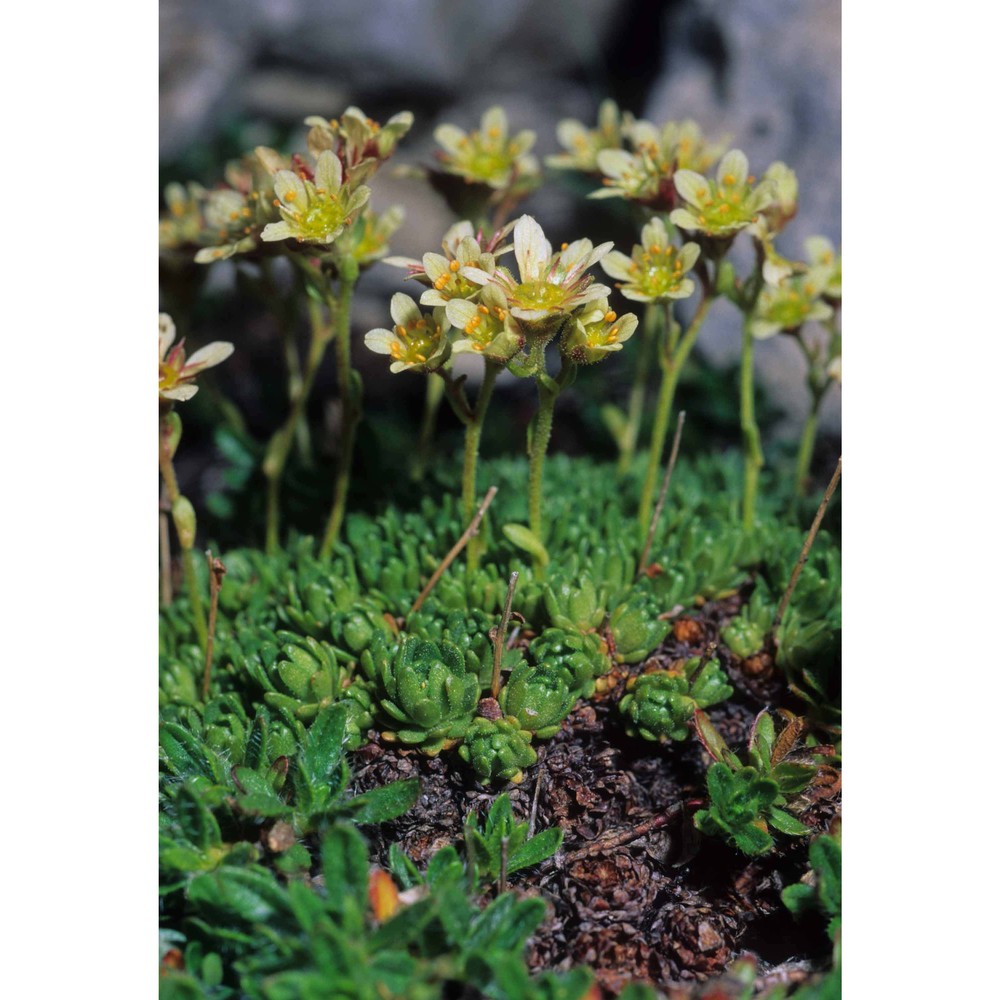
[804, 554]
[166, 570]
[534, 801]
[216, 571]
[498, 635]
[663, 494]
[616, 838]
[456, 549]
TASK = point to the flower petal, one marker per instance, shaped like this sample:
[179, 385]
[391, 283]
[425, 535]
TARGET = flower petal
[290, 189]
[692, 187]
[617, 265]
[179, 392]
[494, 119]
[532, 250]
[733, 165]
[404, 310]
[683, 218]
[451, 137]
[379, 340]
[329, 172]
[207, 357]
[167, 334]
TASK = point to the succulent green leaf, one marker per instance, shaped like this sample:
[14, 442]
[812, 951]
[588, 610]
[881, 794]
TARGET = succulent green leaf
[527, 540]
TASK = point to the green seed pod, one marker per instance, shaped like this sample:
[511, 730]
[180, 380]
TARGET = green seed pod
[184, 521]
[497, 749]
[170, 429]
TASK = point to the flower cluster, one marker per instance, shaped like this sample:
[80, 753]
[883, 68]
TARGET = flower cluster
[268, 198]
[582, 144]
[646, 173]
[495, 313]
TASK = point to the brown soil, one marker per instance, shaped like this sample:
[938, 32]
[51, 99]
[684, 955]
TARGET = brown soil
[635, 892]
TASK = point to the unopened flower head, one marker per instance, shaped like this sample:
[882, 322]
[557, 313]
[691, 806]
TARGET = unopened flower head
[656, 271]
[786, 196]
[675, 145]
[485, 326]
[596, 333]
[825, 265]
[788, 305]
[583, 144]
[487, 156]
[177, 371]
[356, 137]
[551, 284]
[315, 208]
[183, 223]
[418, 342]
[721, 208]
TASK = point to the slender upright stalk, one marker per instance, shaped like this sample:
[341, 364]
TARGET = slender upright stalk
[548, 391]
[663, 495]
[675, 352]
[185, 537]
[806, 446]
[432, 402]
[280, 444]
[350, 403]
[500, 635]
[473, 432]
[753, 455]
[637, 397]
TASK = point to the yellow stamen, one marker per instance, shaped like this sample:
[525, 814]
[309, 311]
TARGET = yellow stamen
[454, 266]
[610, 316]
[564, 246]
[484, 310]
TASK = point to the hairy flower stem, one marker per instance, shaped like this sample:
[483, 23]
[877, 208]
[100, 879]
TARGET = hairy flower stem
[473, 432]
[432, 402]
[186, 542]
[637, 396]
[548, 390]
[350, 403]
[280, 444]
[753, 456]
[675, 353]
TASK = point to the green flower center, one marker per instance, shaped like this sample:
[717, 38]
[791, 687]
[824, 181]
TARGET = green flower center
[542, 295]
[416, 343]
[726, 208]
[321, 218]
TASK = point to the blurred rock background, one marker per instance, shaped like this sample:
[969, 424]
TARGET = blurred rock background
[764, 73]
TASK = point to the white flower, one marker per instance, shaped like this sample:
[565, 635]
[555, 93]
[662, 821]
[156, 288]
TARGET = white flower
[418, 342]
[177, 373]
